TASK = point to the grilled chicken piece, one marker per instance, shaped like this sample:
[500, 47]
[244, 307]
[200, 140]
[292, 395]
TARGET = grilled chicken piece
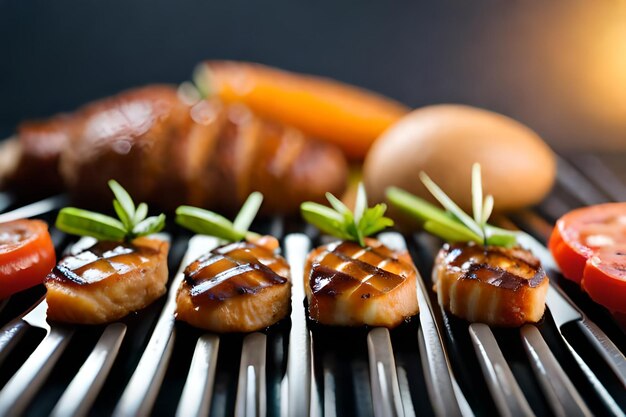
[349, 285]
[239, 287]
[167, 153]
[493, 285]
[107, 281]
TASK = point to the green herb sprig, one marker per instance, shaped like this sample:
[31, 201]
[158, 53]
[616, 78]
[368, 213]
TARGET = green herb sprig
[206, 222]
[453, 224]
[199, 88]
[341, 222]
[131, 223]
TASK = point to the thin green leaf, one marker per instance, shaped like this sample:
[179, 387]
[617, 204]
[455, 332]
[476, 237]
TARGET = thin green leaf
[342, 222]
[87, 223]
[207, 223]
[373, 220]
[140, 213]
[252, 236]
[349, 227]
[324, 218]
[355, 233]
[149, 226]
[477, 193]
[494, 230]
[415, 206]
[378, 225]
[338, 204]
[121, 213]
[450, 225]
[498, 236]
[123, 197]
[360, 204]
[449, 205]
[201, 79]
[451, 232]
[487, 209]
[248, 212]
[505, 240]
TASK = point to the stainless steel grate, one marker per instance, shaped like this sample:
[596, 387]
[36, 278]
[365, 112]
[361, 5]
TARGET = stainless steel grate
[434, 364]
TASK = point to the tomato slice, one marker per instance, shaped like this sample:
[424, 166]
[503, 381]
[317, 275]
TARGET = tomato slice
[589, 245]
[604, 278]
[26, 255]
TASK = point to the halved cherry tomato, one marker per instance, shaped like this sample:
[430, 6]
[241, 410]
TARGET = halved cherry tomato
[26, 255]
[589, 245]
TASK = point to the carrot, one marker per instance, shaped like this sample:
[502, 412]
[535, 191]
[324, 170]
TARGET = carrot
[348, 116]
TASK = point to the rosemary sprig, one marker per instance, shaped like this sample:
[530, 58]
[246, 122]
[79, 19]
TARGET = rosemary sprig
[131, 223]
[453, 224]
[341, 222]
[206, 222]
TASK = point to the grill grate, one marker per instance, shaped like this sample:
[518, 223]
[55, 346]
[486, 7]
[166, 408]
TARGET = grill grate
[147, 364]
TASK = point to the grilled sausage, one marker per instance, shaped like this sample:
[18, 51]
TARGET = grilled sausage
[36, 150]
[256, 155]
[126, 137]
[167, 153]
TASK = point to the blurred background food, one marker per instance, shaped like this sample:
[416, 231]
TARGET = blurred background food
[168, 152]
[445, 141]
[336, 112]
[558, 67]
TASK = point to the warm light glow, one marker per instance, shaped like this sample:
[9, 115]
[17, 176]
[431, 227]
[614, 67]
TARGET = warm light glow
[607, 77]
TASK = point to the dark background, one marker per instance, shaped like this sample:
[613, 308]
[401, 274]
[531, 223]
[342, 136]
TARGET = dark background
[558, 66]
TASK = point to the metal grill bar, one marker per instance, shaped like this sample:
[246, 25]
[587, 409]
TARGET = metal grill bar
[13, 331]
[140, 393]
[607, 349]
[84, 388]
[330, 388]
[299, 358]
[562, 396]
[251, 392]
[195, 401]
[441, 388]
[23, 386]
[383, 376]
[35, 209]
[506, 392]
[577, 185]
[602, 177]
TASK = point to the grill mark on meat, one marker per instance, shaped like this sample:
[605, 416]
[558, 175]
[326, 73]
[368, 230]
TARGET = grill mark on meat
[481, 263]
[349, 268]
[350, 285]
[63, 272]
[231, 270]
[100, 262]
